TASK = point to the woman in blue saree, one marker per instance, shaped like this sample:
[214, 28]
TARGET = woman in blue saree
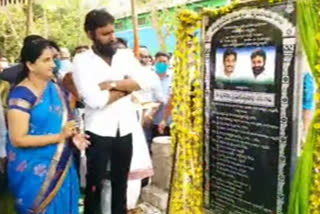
[41, 173]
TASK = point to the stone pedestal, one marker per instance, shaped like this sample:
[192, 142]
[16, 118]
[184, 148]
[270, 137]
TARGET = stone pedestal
[157, 193]
[162, 162]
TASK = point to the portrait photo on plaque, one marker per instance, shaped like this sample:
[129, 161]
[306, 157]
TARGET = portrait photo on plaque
[247, 65]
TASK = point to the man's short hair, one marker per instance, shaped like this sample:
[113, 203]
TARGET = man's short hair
[229, 52]
[81, 47]
[259, 52]
[122, 41]
[97, 18]
[161, 53]
[65, 53]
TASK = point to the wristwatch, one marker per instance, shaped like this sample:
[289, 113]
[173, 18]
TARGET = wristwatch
[113, 85]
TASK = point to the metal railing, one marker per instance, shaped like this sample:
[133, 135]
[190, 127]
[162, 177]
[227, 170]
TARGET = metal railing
[4, 3]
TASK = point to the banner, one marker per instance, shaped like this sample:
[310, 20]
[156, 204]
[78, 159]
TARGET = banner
[249, 87]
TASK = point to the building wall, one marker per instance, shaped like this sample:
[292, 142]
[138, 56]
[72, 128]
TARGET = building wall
[147, 35]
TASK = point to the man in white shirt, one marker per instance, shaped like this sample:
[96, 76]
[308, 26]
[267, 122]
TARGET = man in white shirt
[105, 79]
[229, 62]
[258, 62]
[144, 56]
[165, 75]
[228, 74]
[155, 95]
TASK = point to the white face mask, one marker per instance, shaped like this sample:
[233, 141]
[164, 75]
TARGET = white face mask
[4, 64]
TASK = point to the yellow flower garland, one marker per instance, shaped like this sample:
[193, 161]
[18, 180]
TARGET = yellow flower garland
[186, 193]
[314, 198]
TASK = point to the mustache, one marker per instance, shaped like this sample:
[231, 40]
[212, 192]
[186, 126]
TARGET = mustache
[107, 50]
[258, 68]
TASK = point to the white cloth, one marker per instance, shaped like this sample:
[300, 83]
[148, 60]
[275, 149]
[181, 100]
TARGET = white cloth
[222, 76]
[3, 131]
[141, 165]
[106, 197]
[262, 77]
[133, 193]
[66, 67]
[155, 94]
[101, 118]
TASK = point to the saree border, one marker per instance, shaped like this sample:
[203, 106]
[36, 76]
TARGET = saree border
[54, 192]
[39, 203]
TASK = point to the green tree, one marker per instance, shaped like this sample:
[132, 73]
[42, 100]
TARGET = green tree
[12, 25]
[59, 20]
[62, 21]
[163, 19]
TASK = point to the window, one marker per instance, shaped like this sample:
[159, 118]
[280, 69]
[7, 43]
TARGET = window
[119, 25]
[142, 20]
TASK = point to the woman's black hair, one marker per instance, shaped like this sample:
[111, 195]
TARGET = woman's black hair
[30, 52]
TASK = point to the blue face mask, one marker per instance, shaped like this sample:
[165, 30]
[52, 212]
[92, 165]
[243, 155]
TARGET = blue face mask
[161, 67]
[58, 63]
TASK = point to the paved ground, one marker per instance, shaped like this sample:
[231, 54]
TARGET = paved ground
[149, 209]
[146, 208]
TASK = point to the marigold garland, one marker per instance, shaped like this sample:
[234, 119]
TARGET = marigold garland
[186, 190]
[314, 199]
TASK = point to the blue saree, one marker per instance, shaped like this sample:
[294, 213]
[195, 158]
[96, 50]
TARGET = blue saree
[42, 179]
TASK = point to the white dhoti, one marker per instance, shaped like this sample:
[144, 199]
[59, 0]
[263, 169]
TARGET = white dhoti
[141, 166]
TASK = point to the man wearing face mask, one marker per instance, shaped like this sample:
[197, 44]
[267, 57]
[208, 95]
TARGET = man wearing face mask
[66, 65]
[56, 57]
[162, 70]
[105, 78]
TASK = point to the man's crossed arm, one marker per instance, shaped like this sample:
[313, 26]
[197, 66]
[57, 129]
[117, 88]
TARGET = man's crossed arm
[120, 88]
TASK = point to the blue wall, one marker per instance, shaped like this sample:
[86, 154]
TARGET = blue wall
[148, 37]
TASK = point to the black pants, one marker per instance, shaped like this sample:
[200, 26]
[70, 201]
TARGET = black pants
[118, 150]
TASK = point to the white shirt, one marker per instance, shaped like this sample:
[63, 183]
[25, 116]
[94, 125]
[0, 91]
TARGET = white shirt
[222, 76]
[154, 94]
[102, 118]
[3, 131]
[66, 67]
[262, 77]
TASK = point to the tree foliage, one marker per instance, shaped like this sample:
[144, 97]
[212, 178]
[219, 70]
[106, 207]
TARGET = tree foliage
[163, 19]
[12, 24]
[58, 20]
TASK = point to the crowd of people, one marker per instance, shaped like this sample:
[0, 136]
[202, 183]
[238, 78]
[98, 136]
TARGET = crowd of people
[102, 105]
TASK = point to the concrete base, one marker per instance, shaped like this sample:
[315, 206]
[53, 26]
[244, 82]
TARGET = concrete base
[162, 162]
[205, 211]
[155, 196]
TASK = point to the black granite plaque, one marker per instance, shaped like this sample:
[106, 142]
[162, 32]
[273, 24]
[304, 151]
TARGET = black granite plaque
[249, 78]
